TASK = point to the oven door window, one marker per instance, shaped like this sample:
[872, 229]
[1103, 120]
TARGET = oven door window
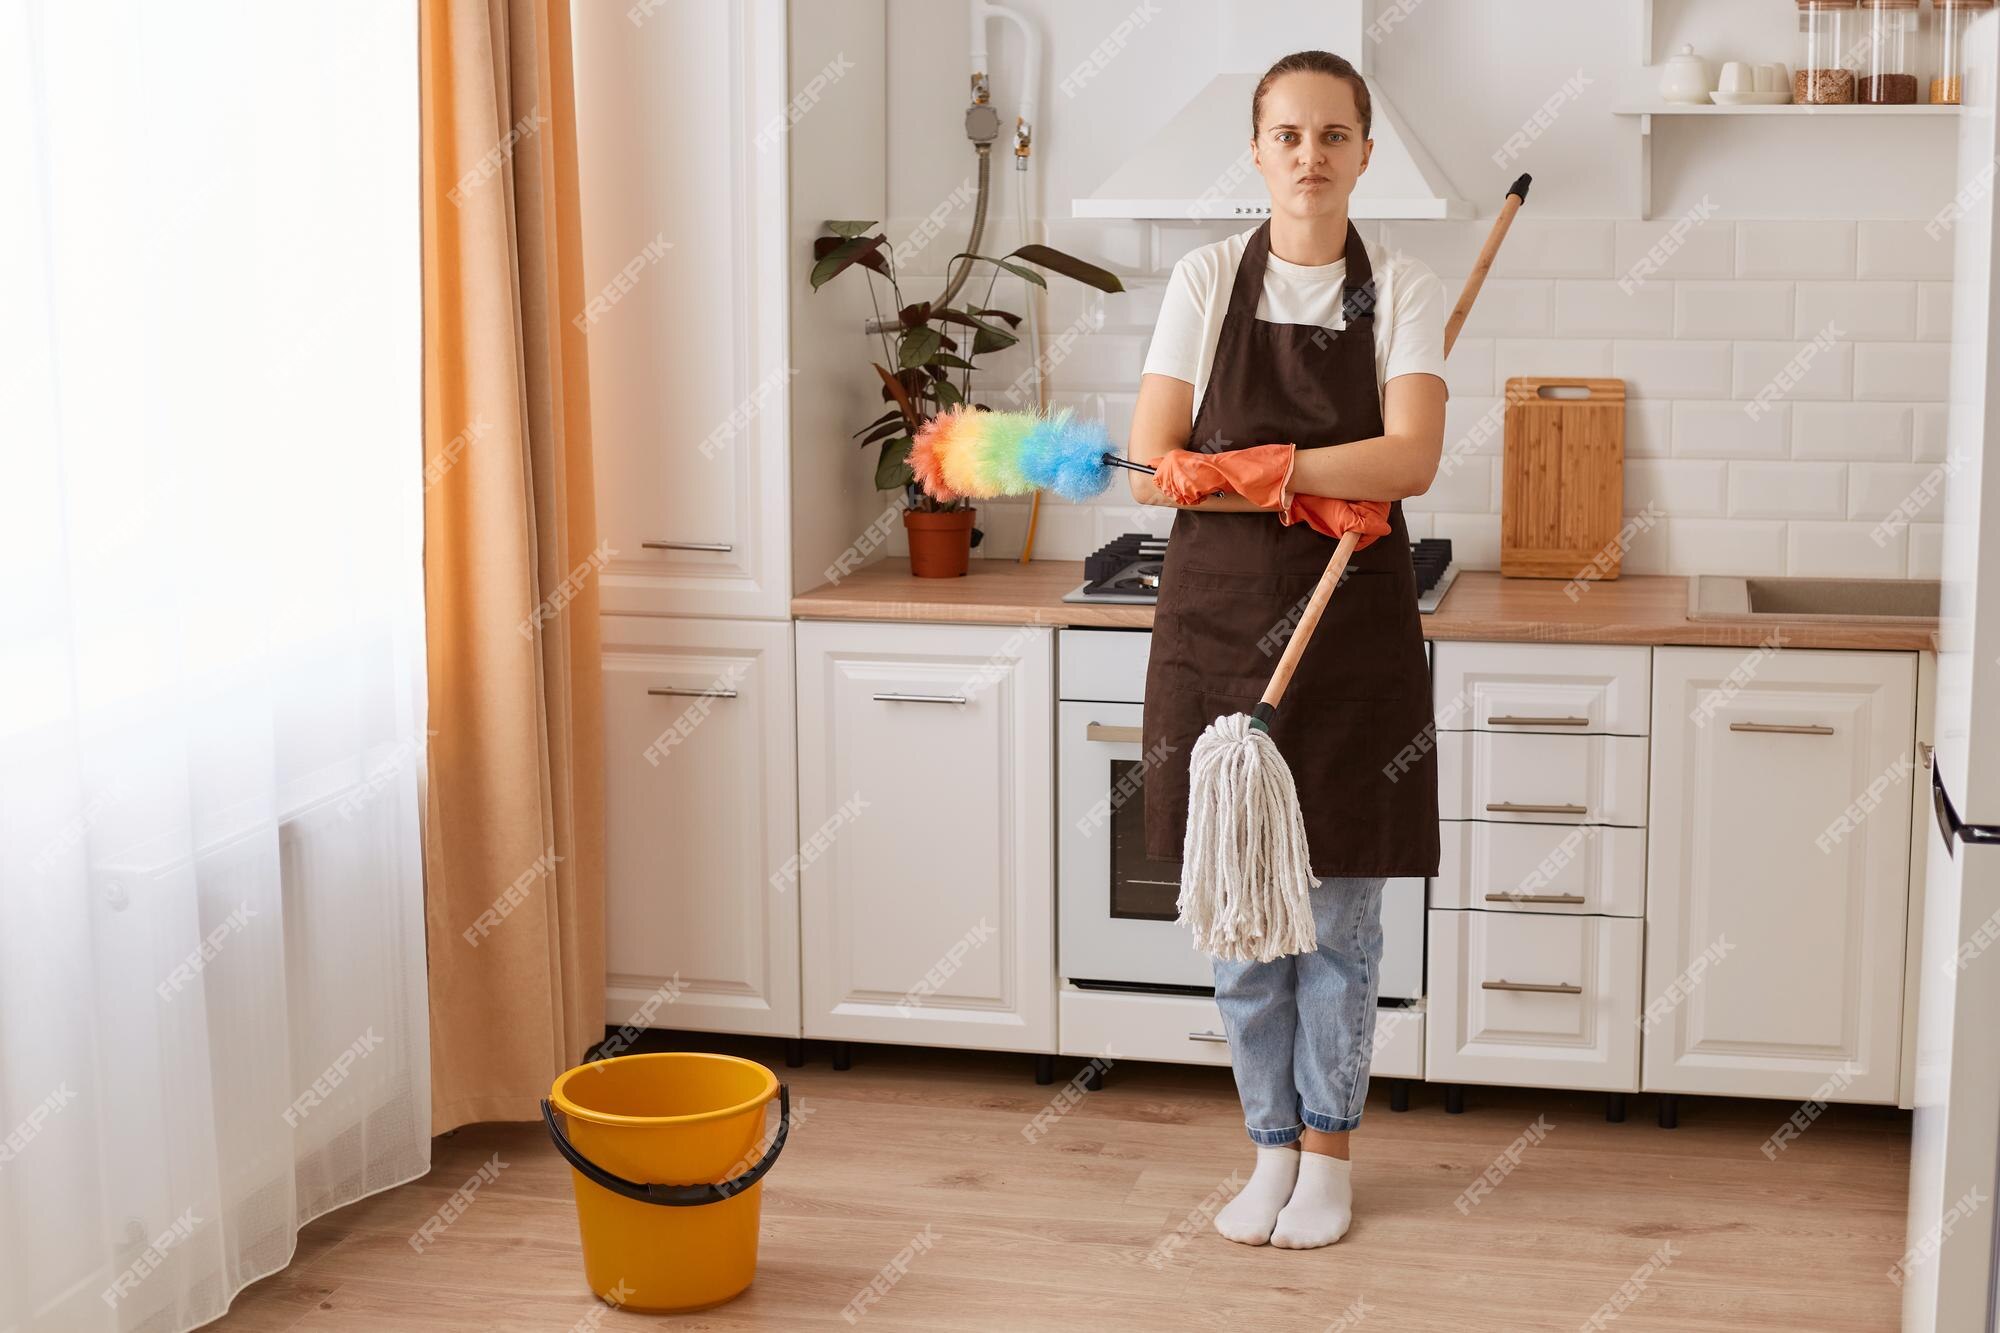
[1141, 889]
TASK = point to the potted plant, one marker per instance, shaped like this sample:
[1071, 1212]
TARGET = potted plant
[931, 341]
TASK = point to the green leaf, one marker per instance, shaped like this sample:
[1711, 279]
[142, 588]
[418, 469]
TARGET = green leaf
[843, 256]
[1016, 269]
[892, 469]
[914, 314]
[917, 347]
[894, 426]
[1013, 320]
[950, 362]
[946, 394]
[990, 339]
[1070, 267]
[893, 414]
[848, 229]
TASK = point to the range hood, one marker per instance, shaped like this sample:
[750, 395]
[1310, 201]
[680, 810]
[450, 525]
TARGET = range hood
[1198, 166]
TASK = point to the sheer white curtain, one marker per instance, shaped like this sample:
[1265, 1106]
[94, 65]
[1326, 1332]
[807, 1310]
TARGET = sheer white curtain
[212, 1006]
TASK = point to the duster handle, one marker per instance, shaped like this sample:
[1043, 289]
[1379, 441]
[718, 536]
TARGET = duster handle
[1309, 619]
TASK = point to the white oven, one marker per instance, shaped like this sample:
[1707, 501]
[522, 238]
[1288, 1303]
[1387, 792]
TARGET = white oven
[1116, 908]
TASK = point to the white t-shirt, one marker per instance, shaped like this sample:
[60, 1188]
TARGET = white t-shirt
[1410, 309]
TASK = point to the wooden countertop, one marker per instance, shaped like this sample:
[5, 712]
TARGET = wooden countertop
[1481, 605]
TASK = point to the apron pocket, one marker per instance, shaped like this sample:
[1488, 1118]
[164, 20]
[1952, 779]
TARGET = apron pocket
[1235, 626]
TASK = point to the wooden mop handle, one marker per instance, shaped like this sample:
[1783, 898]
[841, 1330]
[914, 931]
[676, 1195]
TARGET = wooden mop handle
[1309, 618]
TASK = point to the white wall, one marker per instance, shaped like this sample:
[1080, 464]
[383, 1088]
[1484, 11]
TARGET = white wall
[1816, 221]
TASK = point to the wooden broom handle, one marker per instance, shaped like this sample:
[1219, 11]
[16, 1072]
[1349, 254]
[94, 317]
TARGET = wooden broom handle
[1309, 618]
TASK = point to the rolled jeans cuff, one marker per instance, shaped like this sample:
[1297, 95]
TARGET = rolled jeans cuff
[1274, 1138]
[1329, 1124]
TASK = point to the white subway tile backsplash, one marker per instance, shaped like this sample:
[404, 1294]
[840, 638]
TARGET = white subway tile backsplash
[1844, 551]
[1726, 430]
[1694, 488]
[1787, 490]
[1904, 250]
[1904, 491]
[1118, 246]
[1673, 368]
[1724, 546]
[1473, 427]
[1929, 442]
[1794, 249]
[1926, 543]
[1649, 427]
[1780, 371]
[1901, 370]
[1536, 247]
[1854, 432]
[1735, 308]
[1586, 309]
[1516, 357]
[1469, 368]
[1134, 310]
[1470, 486]
[1667, 249]
[1934, 310]
[1475, 538]
[1857, 309]
[1507, 307]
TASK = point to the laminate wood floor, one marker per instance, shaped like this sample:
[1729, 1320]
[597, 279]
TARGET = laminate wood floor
[1099, 1223]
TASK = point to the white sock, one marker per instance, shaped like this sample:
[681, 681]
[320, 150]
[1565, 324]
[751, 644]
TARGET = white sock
[1251, 1214]
[1321, 1206]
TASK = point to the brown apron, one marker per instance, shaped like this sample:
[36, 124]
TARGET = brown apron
[1355, 725]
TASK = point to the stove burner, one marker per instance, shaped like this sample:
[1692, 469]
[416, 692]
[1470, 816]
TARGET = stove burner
[1128, 570]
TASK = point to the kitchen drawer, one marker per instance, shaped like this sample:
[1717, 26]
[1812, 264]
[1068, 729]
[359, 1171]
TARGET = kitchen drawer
[1542, 779]
[1519, 867]
[1581, 1032]
[1549, 687]
[1187, 1029]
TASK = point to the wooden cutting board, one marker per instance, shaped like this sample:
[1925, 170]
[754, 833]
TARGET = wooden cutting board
[1562, 493]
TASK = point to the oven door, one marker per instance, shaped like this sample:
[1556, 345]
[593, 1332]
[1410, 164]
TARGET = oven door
[1116, 909]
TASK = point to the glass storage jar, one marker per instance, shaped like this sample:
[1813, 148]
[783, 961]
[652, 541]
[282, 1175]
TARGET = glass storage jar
[1825, 29]
[1892, 31]
[1950, 18]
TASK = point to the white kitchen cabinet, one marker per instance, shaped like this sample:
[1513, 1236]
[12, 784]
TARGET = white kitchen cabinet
[926, 773]
[1542, 779]
[701, 916]
[687, 269]
[1778, 851]
[1187, 1029]
[1527, 998]
[1597, 869]
[1565, 688]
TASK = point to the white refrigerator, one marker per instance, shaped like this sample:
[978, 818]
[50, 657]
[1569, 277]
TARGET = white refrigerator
[1948, 1272]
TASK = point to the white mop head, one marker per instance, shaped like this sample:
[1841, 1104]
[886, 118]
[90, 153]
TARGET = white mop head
[1246, 874]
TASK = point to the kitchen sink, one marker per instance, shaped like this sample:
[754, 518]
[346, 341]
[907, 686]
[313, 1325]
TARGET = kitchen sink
[1888, 601]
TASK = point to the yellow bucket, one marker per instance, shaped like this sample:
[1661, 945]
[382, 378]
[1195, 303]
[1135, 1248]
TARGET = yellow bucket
[666, 1169]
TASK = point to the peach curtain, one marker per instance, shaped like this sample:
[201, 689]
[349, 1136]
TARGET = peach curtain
[514, 810]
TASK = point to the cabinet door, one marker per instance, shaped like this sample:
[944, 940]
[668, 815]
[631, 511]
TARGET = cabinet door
[1777, 872]
[701, 924]
[686, 269]
[926, 875]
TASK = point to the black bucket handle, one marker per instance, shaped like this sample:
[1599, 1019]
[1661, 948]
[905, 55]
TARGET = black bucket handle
[673, 1196]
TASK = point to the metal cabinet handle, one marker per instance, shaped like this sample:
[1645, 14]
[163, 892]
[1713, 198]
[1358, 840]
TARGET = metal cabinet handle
[1208, 1036]
[1500, 721]
[1534, 897]
[1530, 808]
[687, 546]
[697, 693]
[1105, 731]
[1783, 728]
[1536, 987]
[898, 698]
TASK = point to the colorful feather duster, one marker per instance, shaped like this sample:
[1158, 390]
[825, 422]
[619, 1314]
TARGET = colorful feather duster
[980, 455]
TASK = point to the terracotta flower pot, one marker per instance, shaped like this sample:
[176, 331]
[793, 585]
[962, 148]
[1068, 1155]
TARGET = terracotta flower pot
[940, 541]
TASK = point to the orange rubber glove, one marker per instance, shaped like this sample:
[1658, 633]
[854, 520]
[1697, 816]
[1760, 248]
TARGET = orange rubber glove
[1336, 518]
[1258, 474]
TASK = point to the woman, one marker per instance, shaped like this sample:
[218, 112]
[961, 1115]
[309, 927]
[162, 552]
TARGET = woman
[1294, 332]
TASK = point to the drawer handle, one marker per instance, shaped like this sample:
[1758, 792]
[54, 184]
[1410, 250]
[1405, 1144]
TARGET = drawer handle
[1783, 728]
[1208, 1036]
[896, 698]
[1530, 808]
[687, 546]
[1498, 721]
[698, 694]
[1536, 987]
[1534, 897]
[1105, 731]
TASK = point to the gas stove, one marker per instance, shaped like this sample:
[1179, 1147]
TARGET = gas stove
[1128, 570]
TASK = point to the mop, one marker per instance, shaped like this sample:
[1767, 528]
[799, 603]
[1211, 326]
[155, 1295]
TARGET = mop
[1246, 870]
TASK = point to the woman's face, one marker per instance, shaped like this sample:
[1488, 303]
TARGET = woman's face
[1309, 145]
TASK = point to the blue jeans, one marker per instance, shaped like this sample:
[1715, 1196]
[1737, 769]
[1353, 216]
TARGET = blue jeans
[1301, 1029]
